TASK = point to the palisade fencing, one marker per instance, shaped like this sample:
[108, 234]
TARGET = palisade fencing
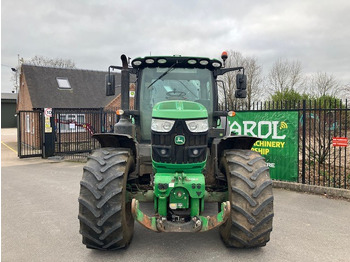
[324, 158]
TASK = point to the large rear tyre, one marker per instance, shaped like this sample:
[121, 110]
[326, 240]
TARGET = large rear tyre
[250, 194]
[106, 222]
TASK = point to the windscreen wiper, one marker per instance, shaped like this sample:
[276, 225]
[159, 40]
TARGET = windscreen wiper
[187, 88]
[162, 75]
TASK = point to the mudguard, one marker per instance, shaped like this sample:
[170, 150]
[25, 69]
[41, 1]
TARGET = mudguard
[237, 142]
[115, 140]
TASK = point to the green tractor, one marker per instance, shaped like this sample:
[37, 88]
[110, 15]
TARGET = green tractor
[174, 149]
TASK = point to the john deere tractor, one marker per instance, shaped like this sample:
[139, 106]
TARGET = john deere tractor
[174, 149]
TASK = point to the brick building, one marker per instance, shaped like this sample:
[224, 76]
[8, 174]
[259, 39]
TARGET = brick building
[69, 92]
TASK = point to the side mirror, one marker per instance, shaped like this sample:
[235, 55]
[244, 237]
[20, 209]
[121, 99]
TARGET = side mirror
[241, 81]
[241, 93]
[110, 85]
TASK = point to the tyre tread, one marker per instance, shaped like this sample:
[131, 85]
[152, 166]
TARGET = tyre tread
[105, 220]
[251, 198]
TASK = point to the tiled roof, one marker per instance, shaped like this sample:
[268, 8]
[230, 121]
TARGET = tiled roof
[87, 87]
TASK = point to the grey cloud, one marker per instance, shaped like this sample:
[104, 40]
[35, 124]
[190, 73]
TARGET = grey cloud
[95, 33]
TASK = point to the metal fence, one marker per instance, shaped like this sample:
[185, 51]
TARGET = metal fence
[323, 138]
[325, 161]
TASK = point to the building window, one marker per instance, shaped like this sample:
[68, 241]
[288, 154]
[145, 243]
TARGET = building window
[27, 125]
[63, 83]
[71, 123]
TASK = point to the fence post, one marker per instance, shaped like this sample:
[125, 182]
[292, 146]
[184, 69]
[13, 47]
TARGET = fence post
[102, 121]
[48, 137]
[303, 144]
[19, 134]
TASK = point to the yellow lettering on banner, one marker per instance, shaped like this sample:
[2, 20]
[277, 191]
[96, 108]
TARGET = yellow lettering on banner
[273, 144]
[263, 151]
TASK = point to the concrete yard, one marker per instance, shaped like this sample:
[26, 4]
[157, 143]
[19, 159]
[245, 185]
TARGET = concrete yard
[39, 204]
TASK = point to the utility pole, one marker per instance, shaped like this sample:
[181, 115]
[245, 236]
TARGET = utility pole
[15, 70]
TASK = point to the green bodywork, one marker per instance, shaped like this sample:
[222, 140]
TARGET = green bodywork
[180, 190]
[179, 186]
[178, 109]
[172, 168]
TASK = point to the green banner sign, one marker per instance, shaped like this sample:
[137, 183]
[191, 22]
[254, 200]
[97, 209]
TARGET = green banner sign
[279, 131]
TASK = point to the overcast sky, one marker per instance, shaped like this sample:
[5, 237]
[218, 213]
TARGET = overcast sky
[94, 33]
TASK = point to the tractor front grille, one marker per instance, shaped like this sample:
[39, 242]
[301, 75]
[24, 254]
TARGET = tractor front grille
[165, 150]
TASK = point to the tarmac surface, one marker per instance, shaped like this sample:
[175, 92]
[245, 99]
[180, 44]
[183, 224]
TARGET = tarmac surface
[39, 209]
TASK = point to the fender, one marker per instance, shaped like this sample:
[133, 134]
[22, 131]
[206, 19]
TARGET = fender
[237, 142]
[233, 142]
[116, 140]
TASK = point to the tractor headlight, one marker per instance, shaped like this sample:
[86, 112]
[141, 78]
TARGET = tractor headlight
[197, 126]
[161, 125]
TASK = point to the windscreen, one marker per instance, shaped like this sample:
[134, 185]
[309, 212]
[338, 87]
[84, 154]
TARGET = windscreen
[163, 84]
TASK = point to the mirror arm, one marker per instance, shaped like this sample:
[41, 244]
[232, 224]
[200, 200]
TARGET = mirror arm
[222, 71]
[113, 67]
[219, 113]
[132, 112]
[109, 71]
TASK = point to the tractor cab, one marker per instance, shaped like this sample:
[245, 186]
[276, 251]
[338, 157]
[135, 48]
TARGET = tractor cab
[166, 78]
[173, 78]
[158, 84]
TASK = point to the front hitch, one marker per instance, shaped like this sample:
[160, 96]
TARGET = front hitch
[196, 224]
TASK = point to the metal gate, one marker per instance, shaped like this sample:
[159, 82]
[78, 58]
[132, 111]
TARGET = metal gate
[74, 129]
[30, 134]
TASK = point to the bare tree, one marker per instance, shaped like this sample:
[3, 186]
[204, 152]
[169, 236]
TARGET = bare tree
[53, 62]
[344, 92]
[322, 84]
[285, 75]
[40, 61]
[254, 77]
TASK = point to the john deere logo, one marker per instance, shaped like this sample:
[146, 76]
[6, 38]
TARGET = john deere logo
[180, 140]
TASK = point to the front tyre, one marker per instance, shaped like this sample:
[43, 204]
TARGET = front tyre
[105, 216]
[250, 193]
